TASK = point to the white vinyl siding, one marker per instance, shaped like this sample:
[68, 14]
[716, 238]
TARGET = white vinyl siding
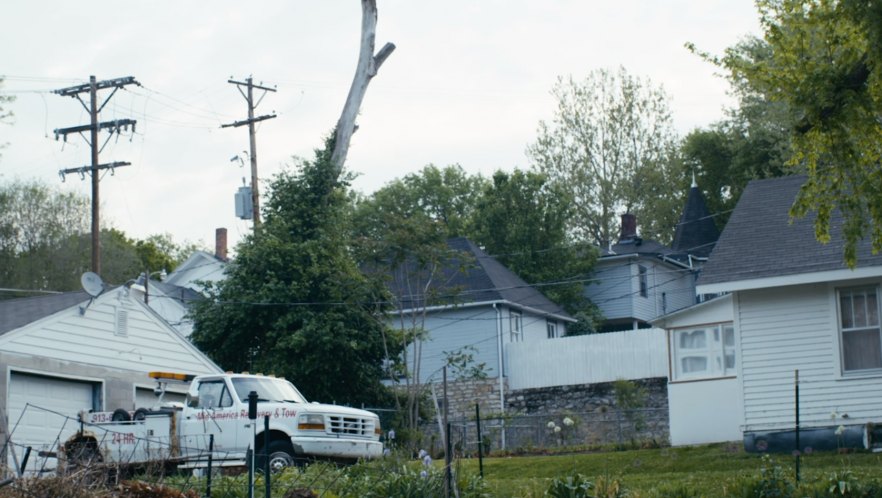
[795, 328]
[449, 331]
[617, 289]
[479, 328]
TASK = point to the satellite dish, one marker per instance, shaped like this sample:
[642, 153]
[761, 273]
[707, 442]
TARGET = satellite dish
[92, 284]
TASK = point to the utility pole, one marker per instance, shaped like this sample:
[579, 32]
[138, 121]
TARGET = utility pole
[93, 127]
[249, 97]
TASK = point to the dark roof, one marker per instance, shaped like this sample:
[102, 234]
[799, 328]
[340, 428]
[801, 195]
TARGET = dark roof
[16, 313]
[760, 242]
[696, 232]
[469, 276]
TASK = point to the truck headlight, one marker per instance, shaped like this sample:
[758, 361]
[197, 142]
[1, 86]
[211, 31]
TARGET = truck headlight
[311, 422]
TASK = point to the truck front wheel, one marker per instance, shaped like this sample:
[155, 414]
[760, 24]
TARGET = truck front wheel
[281, 455]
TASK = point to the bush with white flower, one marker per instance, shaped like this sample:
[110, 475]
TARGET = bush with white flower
[563, 431]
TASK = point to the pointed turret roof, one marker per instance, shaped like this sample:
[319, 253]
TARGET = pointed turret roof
[696, 232]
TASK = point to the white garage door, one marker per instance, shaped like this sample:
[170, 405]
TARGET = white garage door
[42, 411]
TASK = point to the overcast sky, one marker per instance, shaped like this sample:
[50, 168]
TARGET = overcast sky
[468, 84]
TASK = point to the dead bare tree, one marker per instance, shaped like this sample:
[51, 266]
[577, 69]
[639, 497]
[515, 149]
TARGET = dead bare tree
[368, 65]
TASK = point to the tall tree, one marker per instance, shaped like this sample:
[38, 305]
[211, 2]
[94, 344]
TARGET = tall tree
[521, 219]
[294, 302]
[609, 144]
[825, 64]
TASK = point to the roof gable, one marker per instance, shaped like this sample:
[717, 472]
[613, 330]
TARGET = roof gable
[760, 241]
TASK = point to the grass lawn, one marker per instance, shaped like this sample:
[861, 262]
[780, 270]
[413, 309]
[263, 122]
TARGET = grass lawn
[708, 470]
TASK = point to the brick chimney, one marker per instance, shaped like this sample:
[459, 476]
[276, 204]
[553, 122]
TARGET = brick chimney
[220, 244]
[629, 227]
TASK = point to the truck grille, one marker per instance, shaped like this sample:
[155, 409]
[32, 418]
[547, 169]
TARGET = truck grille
[354, 426]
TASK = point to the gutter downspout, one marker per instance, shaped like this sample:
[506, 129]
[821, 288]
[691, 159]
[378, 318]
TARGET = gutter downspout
[501, 380]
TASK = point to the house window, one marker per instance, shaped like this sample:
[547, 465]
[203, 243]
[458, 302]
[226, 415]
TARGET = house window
[517, 327]
[644, 284]
[703, 352]
[552, 329]
[859, 328]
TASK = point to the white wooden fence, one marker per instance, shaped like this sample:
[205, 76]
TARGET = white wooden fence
[587, 359]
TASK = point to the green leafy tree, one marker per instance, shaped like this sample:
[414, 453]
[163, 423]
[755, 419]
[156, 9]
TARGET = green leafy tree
[161, 252]
[444, 198]
[45, 241]
[521, 219]
[610, 145]
[294, 302]
[752, 142]
[825, 64]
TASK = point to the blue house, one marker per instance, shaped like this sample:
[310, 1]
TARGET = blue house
[469, 303]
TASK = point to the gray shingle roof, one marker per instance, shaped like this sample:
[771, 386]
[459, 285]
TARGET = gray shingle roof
[471, 277]
[760, 242]
[16, 313]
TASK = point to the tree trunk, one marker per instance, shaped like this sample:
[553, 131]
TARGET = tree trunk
[368, 65]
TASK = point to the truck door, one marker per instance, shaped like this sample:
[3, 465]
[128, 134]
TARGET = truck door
[212, 412]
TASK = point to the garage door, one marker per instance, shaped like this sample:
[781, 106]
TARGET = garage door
[42, 411]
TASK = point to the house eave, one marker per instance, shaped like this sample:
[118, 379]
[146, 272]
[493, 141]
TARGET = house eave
[476, 304]
[785, 280]
[662, 321]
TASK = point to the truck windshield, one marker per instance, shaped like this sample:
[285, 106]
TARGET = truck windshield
[268, 389]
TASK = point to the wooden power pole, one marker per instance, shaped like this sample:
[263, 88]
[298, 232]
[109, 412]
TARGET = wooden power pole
[93, 127]
[249, 97]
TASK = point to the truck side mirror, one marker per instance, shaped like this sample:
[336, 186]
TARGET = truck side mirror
[193, 401]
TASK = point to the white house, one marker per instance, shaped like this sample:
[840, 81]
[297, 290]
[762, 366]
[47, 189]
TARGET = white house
[792, 305]
[63, 353]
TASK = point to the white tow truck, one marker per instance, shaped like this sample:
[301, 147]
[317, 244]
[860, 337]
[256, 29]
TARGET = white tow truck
[214, 420]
